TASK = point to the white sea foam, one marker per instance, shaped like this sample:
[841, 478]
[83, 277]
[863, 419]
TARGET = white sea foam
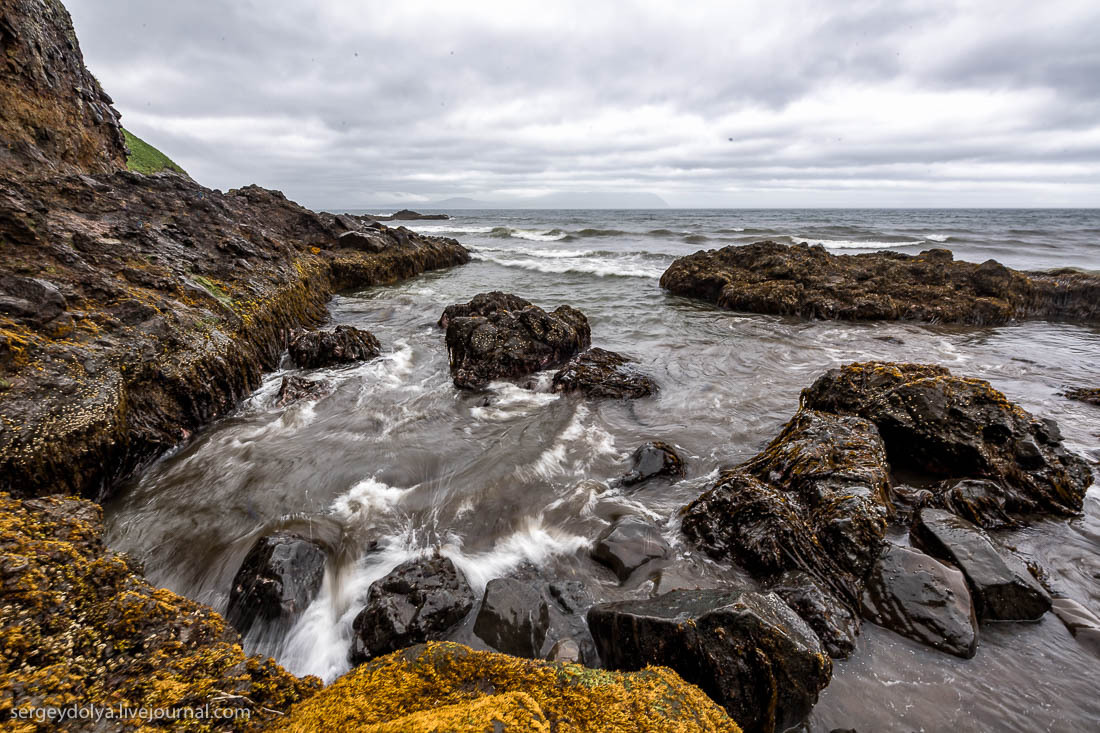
[535, 235]
[364, 501]
[598, 266]
[445, 228]
[532, 543]
[853, 244]
[937, 237]
[587, 442]
[509, 400]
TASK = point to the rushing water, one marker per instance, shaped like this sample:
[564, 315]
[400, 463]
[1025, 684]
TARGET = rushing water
[396, 462]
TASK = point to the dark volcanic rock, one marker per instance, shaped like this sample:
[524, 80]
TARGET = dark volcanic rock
[922, 599]
[513, 618]
[1002, 588]
[942, 426]
[628, 544]
[30, 300]
[653, 459]
[502, 336]
[342, 345]
[294, 388]
[409, 215]
[806, 281]
[1085, 394]
[1081, 622]
[978, 500]
[421, 600]
[835, 624]
[748, 651]
[363, 241]
[279, 578]
[601, 373]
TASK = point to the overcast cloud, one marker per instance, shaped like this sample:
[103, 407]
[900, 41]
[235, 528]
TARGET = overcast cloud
[776, 103]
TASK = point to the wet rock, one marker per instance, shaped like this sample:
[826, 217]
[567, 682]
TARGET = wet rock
[342, 345]
[31, 300]
[294, 388]
[922, 599]
[808, 281]
[566, 651]
[279, 578]
[1081, 622]
[1085, 394]
[977, 500]
[946, 427]
[835, 624]
[748, 651]
[908, 500]
[513, 618]
[569, 601]
[418, 601]
[362, 241]
[501, 336]
[653, 459]
[628, 544]
[1001, 586]
[599, 373]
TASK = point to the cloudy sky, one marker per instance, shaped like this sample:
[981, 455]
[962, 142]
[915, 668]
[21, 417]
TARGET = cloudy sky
[739, 104]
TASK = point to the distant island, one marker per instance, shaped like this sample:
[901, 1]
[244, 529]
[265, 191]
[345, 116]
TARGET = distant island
[560, 200]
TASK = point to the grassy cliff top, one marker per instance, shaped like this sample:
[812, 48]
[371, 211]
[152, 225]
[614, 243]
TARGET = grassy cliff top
[144, 158]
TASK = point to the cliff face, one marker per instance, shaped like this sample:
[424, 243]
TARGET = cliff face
[54, 116]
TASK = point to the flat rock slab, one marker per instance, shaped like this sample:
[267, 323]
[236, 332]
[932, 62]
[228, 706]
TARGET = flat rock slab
[922, 599]
[1001, 586]
[748, 651]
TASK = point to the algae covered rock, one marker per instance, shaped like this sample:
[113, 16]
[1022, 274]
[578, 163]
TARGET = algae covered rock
[450, 688]
[601, 373]
[651, 460]
[342, 345]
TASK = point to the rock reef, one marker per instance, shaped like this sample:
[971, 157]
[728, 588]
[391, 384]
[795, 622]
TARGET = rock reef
[810, 282]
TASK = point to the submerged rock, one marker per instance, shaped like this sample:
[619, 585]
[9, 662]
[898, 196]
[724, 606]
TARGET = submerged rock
[1085, 394]
[800, 280]
[418, 601]
[942, 426]
[294, 388]
[501, 336]
[449, 687]
[748, 651]
[342, 345]
[279, 578]
[1002, 587]
[628, 544]
[922, 599]
[651, 460]
[513, 618]
[600, 373]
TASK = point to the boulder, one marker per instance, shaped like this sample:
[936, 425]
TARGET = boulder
[1081, 622]
[748, 651]
[628, 544]
[418, 601]
[342, 345]
[809, 281]
[834, 622]
[279, 578]
[922, 599]
[569, 601]
[362, 241]
[1085, 394]
[32, 300]
[653, 459]
[501, 336]
[513, 618]
[980, 501]
[1000, 584]
[946, 427]
[294, 388]
[599, 373]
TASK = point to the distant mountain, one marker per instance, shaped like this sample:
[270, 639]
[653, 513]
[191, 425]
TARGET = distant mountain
[561, 200]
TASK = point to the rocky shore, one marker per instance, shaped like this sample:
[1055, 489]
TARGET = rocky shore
[810, 282]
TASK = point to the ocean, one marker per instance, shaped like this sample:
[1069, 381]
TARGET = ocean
[396, 462]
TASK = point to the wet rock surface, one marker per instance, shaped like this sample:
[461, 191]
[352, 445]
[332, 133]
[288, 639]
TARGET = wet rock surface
[1001, 586]
[652, 460]
[922, 599]
[833, 620]
[502, 336]
[599, 373]
[1085, 394]
[420, 600]
[294, 388]
[513, 618]
[808, 281]
[341, 345]
[942, 426]
[628, 544]
[1081, 622]
[748, 651]
[278, 579]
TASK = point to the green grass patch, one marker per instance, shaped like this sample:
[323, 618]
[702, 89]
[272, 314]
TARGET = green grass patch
[212, 287]
[144, 158]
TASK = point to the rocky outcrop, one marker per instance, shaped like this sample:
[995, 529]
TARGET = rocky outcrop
[279, 578]
[342, 345]
[598, 373]
[651, 460]
[922, 599]
[418, 601]
[513, 618]
[408, 215]
[501, 336]
[1090, 395]
[448, 687]
[748, 651]
[800, 280]
[294, 388]
[1001, 586]
[628, 544]
[948, 428]
[80, 625]
[174, 299]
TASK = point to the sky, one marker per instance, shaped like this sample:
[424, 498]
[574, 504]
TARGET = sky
[782, 103]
